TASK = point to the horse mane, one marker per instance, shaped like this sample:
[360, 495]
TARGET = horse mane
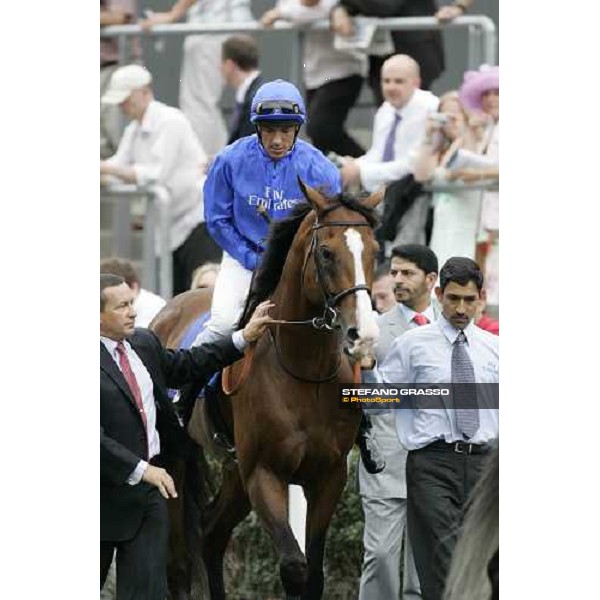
[279, 241]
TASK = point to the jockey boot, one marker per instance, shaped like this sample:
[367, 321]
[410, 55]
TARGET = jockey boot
[371, 456]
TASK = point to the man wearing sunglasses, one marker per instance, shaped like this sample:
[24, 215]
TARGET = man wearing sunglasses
[254, 181]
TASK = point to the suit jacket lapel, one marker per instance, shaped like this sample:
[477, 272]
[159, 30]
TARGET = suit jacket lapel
[108, 365]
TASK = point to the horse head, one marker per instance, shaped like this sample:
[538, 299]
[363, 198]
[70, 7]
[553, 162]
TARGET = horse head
[338, 266]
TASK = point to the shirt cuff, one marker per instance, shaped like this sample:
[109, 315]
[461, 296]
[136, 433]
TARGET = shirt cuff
[238, 340]
[138, 472]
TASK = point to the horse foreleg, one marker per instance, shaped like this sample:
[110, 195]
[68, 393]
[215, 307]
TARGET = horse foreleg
[322, 496]
[230, 507]
[269, 496]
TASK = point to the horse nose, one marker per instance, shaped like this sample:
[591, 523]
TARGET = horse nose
[352, 334]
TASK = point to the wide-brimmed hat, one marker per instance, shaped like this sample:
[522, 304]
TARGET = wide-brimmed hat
[476, 83]
[124, 81]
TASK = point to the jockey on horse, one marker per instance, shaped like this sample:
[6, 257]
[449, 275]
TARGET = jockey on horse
[252, 182]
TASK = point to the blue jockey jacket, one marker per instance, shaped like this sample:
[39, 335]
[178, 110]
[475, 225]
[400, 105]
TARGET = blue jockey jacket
[243, 176]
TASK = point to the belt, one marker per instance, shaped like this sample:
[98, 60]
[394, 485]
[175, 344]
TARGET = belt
[459, 447]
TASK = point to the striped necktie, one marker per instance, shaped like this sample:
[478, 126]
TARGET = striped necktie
[388, 150]
[465, 396]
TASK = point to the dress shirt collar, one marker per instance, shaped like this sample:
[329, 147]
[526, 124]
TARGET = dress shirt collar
[111, 346]
[240, 93]
[409, 313]
[451, 333]
[409, 107]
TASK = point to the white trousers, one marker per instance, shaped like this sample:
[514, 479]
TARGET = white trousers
[200, 90]
[229, 297]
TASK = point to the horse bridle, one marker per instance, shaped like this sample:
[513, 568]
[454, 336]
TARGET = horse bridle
[329, 321]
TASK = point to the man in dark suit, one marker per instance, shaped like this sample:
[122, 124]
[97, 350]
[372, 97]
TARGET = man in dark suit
[239, 65]
[139, 429]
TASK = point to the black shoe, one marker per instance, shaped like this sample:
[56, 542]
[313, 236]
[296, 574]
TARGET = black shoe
[371, 456]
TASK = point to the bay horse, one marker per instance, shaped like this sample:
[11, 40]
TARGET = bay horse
[285, 415]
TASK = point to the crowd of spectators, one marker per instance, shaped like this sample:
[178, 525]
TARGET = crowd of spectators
[436, 155]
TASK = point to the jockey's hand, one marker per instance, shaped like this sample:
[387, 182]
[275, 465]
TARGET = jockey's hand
[161, 479]
[259, 322]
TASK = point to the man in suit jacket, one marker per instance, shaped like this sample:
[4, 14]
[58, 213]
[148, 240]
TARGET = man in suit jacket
[139, 429]
[414, 269]
[239, 65]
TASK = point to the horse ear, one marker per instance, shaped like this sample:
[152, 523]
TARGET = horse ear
[318, 201]
[375, 198]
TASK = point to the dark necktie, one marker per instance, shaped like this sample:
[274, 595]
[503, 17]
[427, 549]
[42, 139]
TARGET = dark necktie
[420, 319]
[465, 396]
[388, 150]
[131, 381]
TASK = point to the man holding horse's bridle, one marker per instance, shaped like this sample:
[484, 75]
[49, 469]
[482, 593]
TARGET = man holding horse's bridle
[140, 434]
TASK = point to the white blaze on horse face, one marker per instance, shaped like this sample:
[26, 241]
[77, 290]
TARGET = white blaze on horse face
[368, 331]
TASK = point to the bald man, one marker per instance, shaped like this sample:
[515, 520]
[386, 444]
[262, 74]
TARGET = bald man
[399, 126]
[398, 131]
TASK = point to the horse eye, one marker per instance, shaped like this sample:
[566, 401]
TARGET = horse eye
[326, 253]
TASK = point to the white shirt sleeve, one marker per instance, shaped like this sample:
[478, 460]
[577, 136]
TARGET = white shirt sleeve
[122, 157]
[465, 159]
[238, 340]
[137, 473]
[372, 175]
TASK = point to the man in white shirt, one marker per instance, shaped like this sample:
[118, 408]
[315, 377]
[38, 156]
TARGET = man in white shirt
[447, 444]
[414, 270]
[239, 66]
[146, 304]
[159, 146]
[398, 131]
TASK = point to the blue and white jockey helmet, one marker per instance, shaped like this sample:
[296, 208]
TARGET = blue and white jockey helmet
[278, 100]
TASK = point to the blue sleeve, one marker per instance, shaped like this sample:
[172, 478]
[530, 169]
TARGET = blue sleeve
[325, 176]
[218, 214]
